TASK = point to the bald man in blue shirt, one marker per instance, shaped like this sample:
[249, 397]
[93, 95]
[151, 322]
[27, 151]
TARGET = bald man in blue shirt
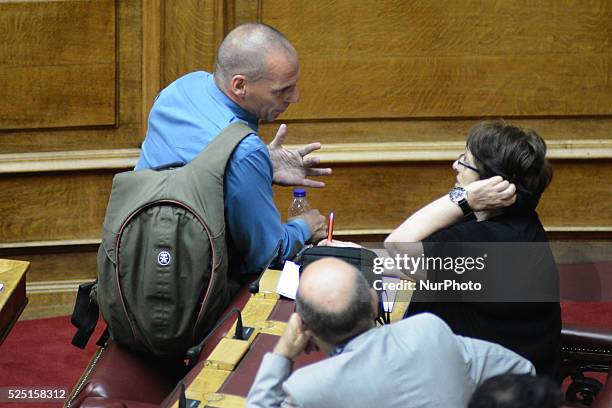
[255, 78]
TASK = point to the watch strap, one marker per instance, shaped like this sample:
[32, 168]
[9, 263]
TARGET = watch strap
[465, 207]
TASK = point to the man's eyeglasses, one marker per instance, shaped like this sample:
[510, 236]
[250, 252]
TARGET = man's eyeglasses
[461, 161]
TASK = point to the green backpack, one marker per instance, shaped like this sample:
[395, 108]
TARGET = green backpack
[162, 265]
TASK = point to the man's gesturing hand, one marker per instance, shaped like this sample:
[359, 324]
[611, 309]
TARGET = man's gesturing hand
[294, 340]
[292, 167]
[490, 194]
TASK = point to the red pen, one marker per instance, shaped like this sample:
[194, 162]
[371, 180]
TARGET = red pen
[330, 226]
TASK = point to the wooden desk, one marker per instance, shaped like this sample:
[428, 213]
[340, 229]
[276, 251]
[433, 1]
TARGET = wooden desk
[13, 296]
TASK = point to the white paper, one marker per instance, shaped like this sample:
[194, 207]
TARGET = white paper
[389, 296]
[289, 279]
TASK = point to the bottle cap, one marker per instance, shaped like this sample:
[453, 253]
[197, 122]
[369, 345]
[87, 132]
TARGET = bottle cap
[299, 192]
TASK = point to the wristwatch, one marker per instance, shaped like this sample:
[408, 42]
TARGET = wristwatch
[458, 195]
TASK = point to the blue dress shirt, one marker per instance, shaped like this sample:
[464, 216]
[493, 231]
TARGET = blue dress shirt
[186, 116]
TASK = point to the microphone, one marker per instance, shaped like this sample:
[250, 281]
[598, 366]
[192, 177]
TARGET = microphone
[238, 334]
[241, 333]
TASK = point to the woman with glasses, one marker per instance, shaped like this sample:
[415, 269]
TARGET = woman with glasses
[495, 151]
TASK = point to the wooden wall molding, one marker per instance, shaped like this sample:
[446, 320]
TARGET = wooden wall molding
[121, 159]
[59, 243]
[68, 161]
[51, 298]
[55, 286]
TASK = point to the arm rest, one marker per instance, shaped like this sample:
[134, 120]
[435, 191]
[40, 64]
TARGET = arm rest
[101, 402]
[586, 350]
[604, 398]
[586, 339]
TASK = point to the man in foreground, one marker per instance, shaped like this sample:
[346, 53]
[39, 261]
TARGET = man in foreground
[255, 78]
[417, 362]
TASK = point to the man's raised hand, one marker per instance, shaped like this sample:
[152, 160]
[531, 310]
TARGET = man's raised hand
[293, 167]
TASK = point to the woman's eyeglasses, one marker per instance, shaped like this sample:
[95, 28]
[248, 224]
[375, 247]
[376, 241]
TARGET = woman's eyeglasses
[461, 161]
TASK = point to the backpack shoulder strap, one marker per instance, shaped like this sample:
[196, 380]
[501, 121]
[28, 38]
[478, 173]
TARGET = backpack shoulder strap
[215, 156]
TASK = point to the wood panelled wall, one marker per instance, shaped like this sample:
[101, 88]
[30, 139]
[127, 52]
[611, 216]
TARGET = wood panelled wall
[390, 87]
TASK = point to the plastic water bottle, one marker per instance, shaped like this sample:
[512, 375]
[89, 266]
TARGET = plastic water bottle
[299, 204]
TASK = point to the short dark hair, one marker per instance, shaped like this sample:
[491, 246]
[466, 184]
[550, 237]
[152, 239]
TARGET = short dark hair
[245, 49]
[517, 391]
[518, 155]
[337, 327]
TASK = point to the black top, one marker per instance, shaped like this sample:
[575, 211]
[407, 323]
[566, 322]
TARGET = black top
[530, 327]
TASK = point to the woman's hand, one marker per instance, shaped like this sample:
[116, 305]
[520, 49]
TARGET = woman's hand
[490, 194]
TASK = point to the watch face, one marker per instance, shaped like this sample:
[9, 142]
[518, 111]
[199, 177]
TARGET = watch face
[457, 194]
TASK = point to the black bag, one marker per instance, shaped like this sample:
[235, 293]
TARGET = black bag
[360, 258]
